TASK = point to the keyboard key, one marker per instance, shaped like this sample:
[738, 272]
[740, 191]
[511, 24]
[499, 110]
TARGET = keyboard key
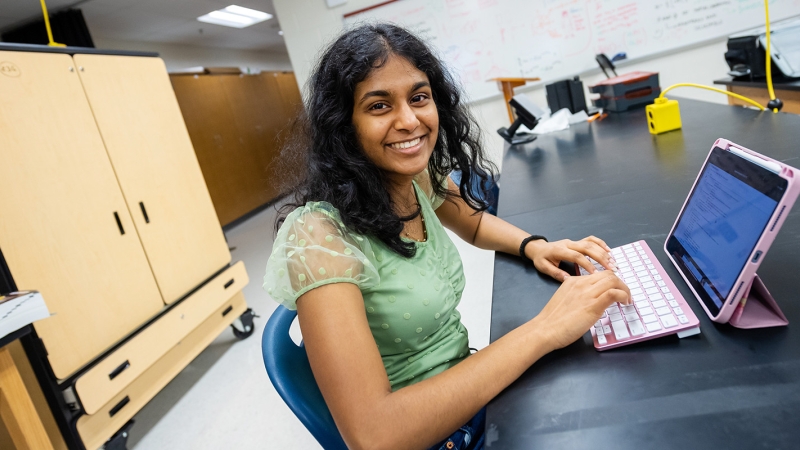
[606, 329]
[668, 321]
[665, 290]
[650, 318]
[663, 311]
[615, 317]
[637, 292]
[629, 317]
[673, 303]
[605, 314]
[657, 277]
[645, 279]
[653, 326]
[633, 285]
[641, 273]
[637, 245]
[601, 339]
[683, 319]
[628, 309]
[627, 246]
[659, 304]
[636, 264]
[653, 271]
[630, 279]
[643, 304]
[647, 262]
[620, 330]
[651, 291]
[649, 284]
[656, 296]
[633, 259]
[598, 324]
[669, 296]
[636, 328]
[646, 311]
[678, 311]
[639, 297]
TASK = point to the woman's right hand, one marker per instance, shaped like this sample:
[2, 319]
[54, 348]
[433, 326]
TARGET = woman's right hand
[578, 304]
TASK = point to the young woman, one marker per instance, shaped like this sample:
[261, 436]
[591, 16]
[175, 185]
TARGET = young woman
[365, 259]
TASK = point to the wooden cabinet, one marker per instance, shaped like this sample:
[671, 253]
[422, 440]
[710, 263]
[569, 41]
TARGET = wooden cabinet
[65, 227]
[238, 124]
[104, 209]
[146, 139]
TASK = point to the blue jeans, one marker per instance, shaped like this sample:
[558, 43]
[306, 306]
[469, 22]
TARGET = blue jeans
[468, 437]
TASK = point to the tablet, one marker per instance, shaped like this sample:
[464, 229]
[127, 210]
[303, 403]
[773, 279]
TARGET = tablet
[728, 222]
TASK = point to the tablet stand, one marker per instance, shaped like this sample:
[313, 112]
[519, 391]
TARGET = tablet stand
[758, 308]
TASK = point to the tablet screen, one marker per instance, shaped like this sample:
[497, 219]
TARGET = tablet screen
[726, 214]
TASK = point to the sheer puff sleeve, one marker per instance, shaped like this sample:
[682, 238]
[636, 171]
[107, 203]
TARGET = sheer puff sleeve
[312, 249]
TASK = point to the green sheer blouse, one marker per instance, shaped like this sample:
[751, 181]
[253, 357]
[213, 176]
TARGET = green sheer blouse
[410, 303]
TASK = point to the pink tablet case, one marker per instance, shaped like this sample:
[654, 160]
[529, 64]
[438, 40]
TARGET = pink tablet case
[758, 309]
[764, 311]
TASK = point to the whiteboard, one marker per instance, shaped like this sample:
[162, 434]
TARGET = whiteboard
[556, 39]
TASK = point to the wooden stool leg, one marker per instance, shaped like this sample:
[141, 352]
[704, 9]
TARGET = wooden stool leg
[17, 410]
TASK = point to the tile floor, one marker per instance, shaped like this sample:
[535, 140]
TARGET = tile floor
[224, 399]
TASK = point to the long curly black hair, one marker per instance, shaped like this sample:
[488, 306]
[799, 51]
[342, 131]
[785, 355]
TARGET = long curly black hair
[337, 170]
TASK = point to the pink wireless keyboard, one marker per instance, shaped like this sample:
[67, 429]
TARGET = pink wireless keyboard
[658, 307]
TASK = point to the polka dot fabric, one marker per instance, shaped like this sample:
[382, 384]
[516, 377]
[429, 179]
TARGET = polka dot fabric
[312, 249]
[410, 303]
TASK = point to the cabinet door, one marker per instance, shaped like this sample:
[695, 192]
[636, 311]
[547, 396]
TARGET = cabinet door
[146, 139]
[62, 214]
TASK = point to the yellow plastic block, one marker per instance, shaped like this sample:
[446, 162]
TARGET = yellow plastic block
[663, 115]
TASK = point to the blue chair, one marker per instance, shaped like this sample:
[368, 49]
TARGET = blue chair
[489, 191]
[288, 369]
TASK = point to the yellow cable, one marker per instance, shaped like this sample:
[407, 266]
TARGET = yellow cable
[740, 97]
[52, 43]
[769, 58]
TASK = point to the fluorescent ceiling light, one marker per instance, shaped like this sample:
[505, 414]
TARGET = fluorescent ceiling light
[247, 12]
[235, 16]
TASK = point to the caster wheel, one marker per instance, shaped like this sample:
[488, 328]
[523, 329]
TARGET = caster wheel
[241, 335]
[243, 327]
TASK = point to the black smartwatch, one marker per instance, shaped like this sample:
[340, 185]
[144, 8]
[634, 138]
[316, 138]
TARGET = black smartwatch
[533, 237]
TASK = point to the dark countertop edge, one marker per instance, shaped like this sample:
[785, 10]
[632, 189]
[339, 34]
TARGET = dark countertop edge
[8, 46]
[784, 84]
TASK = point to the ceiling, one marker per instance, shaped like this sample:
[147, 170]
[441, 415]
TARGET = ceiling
[157, 21]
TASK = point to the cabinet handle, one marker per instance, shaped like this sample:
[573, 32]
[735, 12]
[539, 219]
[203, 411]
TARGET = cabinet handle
[229, 283]
[119, 223]
[119, 406]
[144, 212]
[119, 370]
[227, 310]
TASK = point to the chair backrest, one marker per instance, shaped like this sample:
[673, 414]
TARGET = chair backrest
[288, 369]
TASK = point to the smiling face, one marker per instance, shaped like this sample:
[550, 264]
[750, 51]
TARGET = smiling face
[396, 119]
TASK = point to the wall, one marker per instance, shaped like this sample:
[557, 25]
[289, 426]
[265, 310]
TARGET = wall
[309, 24]
[178, 57]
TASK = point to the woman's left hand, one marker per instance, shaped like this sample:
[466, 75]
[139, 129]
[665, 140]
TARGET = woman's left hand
[546, 256]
